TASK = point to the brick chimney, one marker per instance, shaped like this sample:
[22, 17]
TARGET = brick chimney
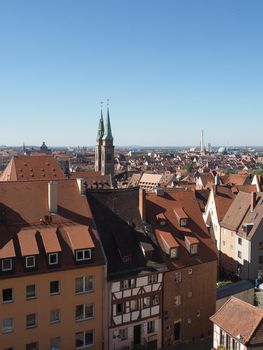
[53, 197]
[253, 201]
[142, 203]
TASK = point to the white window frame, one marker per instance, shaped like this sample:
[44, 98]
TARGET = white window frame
[177, 300]
[83, 254]
[34, 260]
[11, 264]
[85, 284]
[8, 329]
[84, 346]
[178, 277]
[150, 327]
[84, 318]
[174, 252]
[49, 258]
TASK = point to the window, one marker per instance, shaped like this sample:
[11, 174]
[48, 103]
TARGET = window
[8, 325]
[190, 271]
[150, 327]
[54, 316]
[30, 261]
[155, 300]
[198, 314]
[239, 254]
[120, 308]
[134, 305]
[177, 300]
[32, 346]
[53, 259]
[126, 284]
[190, 294]
[224, 243]
[123, 333]
[183, 222]
[194, 249]
[84, 284]
[239, 241]
[178, 277]
[84, 339]
[54, 288]
[7, 295]
[146, 302]
[31, 291]
[174, 252]
[31, 320]
[84, 312]
[55, 343]
[7, 265]
[189, 320]
[153, 278]
[82, 255]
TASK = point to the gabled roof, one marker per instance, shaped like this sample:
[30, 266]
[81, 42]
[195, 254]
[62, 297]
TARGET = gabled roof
[27, 168]
[194, 232]
[223, 198]
[240, 320]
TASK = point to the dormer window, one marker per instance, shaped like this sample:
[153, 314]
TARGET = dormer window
[83, 255]
[53, 258]
[127, 284]
[161, 219]
[194, 249]
[174, 252]
[30, 261]
[7, 265]
[183, 222]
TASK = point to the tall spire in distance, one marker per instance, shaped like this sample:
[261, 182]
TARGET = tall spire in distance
[101, 125]
[107, 131]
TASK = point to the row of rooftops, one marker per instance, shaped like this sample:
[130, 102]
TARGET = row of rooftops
[33, 223]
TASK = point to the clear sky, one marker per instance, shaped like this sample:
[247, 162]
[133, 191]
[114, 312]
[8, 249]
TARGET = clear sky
[169, 67]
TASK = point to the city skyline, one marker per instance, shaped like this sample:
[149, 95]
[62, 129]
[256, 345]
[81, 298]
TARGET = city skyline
[169, 69]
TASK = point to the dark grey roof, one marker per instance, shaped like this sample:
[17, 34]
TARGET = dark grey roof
[117, 217]
[233, 288]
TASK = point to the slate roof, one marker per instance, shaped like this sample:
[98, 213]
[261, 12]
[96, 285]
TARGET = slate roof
[233, 288]
[117, 217]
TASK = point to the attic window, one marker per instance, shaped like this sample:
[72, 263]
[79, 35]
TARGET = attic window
[126, 259]
[53, 258]
[30, 261]
[174, 252]
[194, 249]
[161, 219]
[83, 255]
[183, 222]
[247, 227]
[6, 265]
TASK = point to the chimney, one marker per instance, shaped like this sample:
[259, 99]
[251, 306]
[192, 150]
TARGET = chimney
[253, 201]
[53, 197]
[142, 203]
[81, 186]
[217, 180]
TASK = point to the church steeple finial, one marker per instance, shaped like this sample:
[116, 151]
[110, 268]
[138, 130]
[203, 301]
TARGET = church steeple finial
[101, 125]
[107, 132]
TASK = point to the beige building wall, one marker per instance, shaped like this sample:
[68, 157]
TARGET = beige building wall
[66, 302]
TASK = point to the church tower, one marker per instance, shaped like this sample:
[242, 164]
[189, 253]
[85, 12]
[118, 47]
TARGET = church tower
[99, 143]
[107, 149]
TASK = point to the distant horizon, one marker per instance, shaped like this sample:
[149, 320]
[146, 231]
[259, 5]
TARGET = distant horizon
[169, 69]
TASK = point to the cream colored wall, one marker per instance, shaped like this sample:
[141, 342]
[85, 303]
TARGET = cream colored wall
[66, 302]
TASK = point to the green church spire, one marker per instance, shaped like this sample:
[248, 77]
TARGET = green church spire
[101, 128]
[107, 131]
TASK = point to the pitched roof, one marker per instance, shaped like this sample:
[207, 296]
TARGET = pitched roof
[194, 232]
[117, 217]
[239, 318]
[27, 168]
[223, 198]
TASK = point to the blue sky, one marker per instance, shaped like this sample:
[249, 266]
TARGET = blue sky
[170, 68]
